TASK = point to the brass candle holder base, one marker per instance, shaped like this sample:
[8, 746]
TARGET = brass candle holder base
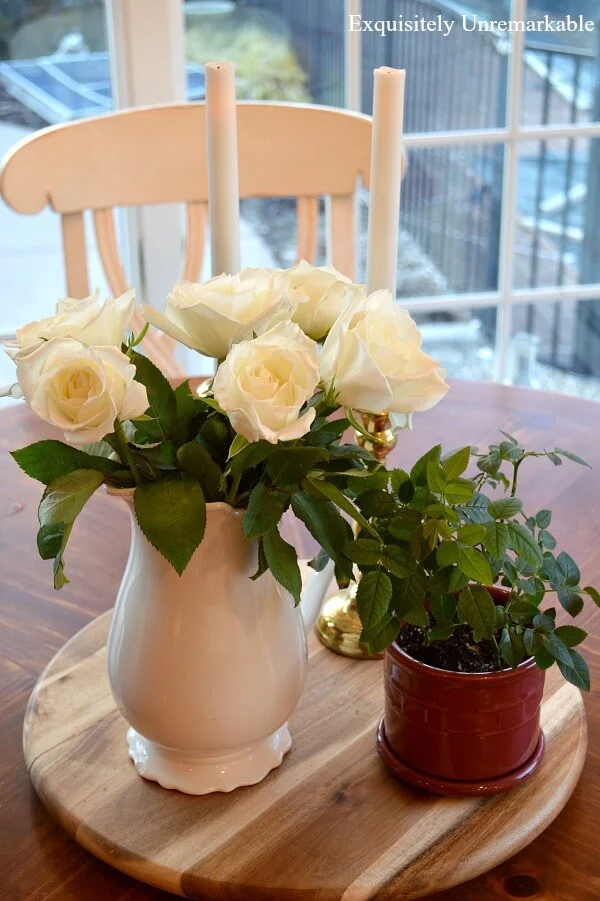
[338, 626]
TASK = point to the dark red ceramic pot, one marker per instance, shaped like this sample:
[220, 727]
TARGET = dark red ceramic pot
[461, 733]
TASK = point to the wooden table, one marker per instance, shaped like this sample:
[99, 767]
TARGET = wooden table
[38, 860]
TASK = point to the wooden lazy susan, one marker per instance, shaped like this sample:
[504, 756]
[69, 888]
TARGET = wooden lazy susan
[331, 823]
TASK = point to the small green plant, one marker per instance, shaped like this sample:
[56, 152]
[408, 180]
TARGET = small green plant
[435, 543]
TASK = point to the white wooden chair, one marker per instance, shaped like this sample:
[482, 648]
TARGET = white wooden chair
[157, 155]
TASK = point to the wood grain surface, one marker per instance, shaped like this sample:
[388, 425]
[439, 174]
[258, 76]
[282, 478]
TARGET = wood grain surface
[38, 860]
[330, 823]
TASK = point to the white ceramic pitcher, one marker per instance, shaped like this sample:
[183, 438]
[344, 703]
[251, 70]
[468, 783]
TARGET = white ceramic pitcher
[208, 666]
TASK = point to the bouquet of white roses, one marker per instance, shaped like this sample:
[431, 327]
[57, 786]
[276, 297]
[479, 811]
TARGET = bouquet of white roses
[299, 353]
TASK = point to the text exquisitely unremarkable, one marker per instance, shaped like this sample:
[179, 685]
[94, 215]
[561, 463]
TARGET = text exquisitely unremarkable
[470, 22]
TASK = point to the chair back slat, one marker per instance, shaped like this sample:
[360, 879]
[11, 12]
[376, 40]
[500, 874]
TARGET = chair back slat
[106, 240]
[341, 234]
[75, 254]
[195, 240]
[156, 155]
[307, 228]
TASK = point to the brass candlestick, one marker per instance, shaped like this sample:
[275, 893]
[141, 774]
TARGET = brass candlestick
[338, 626]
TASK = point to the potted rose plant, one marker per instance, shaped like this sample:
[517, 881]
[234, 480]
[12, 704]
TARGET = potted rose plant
[206, 654]
[456, 580]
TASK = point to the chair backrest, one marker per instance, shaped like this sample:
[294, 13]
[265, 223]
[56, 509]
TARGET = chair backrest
[157, 155]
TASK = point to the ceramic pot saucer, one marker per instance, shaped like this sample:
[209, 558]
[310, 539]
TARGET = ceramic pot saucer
[440, 786]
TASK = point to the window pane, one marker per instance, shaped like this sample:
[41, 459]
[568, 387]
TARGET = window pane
[456, 77]
[556, 346]
[558, 232]
[53, 67]
[462, 341]
[282, 49]
[450, 220]
[560, 76]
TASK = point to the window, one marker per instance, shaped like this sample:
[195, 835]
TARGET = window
[500, 247]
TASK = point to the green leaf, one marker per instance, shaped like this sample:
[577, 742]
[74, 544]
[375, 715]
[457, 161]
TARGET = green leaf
[544, 660]
[523, 543]
[496, 539]
[238, 444]
[576, 672]
[473, 564]
[547, 540]
[283, 563]
[289, 465]
[409, 592]
[472, 534]
[568, 570]
[571, 600]
[48, 460]
[195, 460]
[162, 402]
[398, 477]
[327, 527]
[404, 524]
[373, 596]
[543, 519]
[571, 456]
[331, 492]
[418, 473]
[265, 509]
[505, 508]
[61, 503]
[455, 464]
[398, 560]
[417, 617]
[476, 607]
[571, 635]
[511, 438]
[436, 478]
[552, 643]
[477, 509]
[543, 623]
[172, 515]
[459, 491]
[363, 551]
[443, 607]
[376, 503]
[554, 458]
[319, 562]
[593, 593]
[50, 539]
[512, 647]
[381, 636]
[186, 409]
[523, 611]
[214, 435]
[249, 456]
[262, 565]
[66, 496]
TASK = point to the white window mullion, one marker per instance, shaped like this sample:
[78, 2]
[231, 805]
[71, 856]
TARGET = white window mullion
[148, 66]
[510, 193]
[352, 57]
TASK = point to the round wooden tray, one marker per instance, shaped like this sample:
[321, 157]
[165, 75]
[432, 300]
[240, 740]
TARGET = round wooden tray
[330, 823]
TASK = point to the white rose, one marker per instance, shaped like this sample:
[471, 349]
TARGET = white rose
[80, 389]
[317, 294]
[212, 317]
[264, 383]
[373, 359]
[91, 321]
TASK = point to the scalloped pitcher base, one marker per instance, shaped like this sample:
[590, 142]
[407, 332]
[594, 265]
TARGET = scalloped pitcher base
[199, 774]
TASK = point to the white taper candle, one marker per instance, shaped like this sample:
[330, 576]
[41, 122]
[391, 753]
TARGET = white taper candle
[386, 179]
[223, 177]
